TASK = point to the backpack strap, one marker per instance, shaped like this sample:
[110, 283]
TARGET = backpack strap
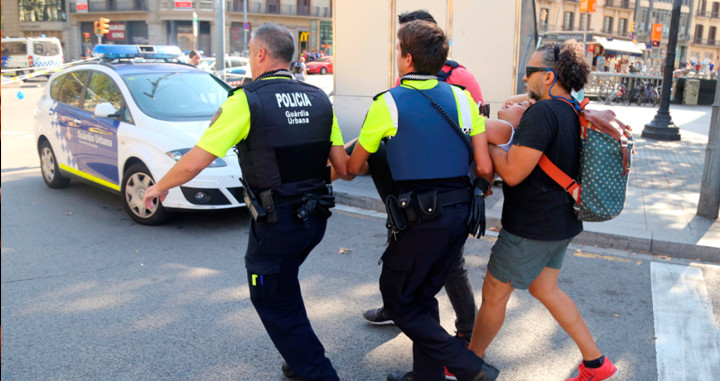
[552, 170]
[617, 133]
[444, 75]
[560, 177]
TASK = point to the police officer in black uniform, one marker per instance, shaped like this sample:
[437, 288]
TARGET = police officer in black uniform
[429, 156]
[284, 131]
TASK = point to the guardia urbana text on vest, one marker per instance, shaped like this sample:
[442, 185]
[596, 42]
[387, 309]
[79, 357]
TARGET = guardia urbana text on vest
[296, 99]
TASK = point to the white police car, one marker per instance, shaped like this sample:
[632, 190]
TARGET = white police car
[124, 121]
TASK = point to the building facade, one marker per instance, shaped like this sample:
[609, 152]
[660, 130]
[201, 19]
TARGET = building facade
[166, 22]
[632, 20]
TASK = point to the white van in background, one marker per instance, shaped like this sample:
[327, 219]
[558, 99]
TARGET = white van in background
[30, 52]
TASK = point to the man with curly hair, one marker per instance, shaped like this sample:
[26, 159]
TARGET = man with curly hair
[538, 218]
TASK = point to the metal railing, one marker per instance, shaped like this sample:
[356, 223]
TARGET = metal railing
[623, 4]
[705, 41]
[706, 13]
[116, 6]
[604, 86]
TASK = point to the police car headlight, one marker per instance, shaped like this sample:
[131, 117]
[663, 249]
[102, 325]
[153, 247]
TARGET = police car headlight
[178, 153]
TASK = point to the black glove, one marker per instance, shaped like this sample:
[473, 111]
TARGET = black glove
[476, 221]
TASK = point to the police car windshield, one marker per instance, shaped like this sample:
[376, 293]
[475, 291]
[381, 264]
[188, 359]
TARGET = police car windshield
[176, 96]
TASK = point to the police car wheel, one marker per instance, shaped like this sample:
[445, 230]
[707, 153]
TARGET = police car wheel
[136, 180]
[49, 168]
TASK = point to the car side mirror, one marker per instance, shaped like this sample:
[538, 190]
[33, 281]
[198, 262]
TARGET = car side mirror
[106, 110]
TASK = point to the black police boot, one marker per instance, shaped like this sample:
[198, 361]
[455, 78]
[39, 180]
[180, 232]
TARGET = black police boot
[395, 376]
[288, 372]
[488, 373]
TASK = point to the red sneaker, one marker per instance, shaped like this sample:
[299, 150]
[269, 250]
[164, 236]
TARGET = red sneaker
[607, 371]
[449, 376]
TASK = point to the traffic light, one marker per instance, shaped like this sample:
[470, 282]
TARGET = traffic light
[632, 26]
[103, 25]
[86, 37]
[96, 27]
[655, 43]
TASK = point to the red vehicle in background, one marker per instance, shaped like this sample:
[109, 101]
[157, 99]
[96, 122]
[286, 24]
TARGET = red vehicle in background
[321, 65]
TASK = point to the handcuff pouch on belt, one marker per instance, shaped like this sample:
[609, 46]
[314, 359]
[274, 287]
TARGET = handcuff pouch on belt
[476, 221]
[419, 207]
[411, 207]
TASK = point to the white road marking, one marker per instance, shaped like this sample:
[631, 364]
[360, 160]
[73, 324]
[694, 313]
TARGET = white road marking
[687, 339]
[360, 211]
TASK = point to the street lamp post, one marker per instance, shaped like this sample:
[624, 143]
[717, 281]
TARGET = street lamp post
[662, 126]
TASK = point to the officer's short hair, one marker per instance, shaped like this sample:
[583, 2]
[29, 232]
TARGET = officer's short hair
[193, 53]
[278, 41]
[420, 14]
[427, 44]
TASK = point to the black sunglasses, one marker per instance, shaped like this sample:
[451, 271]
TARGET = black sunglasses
[529, 70]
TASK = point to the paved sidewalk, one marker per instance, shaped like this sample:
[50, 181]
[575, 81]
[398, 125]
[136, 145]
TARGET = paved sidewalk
[662, 198]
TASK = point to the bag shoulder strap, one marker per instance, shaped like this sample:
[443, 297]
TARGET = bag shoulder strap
[560, 177]
[557, 174]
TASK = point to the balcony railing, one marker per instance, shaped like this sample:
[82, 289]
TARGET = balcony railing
[706, 42]
[114, 6]
[706, 13]
[622, 4]
[202, 5]
[236, 6]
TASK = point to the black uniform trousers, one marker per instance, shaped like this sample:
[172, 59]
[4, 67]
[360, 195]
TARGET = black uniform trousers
[274, 255]
[458, 286]
[414, 270]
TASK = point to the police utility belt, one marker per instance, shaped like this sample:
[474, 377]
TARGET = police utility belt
[263, 208]
[410, 207]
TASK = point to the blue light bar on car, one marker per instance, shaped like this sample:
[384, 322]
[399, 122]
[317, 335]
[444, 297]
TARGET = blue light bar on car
[162, 52]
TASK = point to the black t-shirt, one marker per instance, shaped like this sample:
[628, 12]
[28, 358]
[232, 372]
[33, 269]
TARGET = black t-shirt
[538, 208]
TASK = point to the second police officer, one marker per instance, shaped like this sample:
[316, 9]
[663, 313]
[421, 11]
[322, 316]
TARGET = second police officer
[429, 156]
[284, 131]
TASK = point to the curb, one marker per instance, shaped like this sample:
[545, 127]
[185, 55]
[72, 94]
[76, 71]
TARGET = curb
[603, 240]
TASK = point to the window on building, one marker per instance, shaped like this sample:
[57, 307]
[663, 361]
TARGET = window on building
[698, 34]
[237, 5]
[544, 17]
[303, 7]
[711, 35]
[585, 21]
[623, 27]
[41, 10]
[568, 20]
[609, 3]
[608, 24]
[702, 6]
[715, 9]
[273, 6]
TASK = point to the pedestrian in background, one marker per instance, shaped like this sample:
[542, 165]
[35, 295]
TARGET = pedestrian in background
[429, 158]
[194, 57]
[538, 219]
[300, 70]
[283, 160]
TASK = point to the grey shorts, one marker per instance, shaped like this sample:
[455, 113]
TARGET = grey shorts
[520, 260]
